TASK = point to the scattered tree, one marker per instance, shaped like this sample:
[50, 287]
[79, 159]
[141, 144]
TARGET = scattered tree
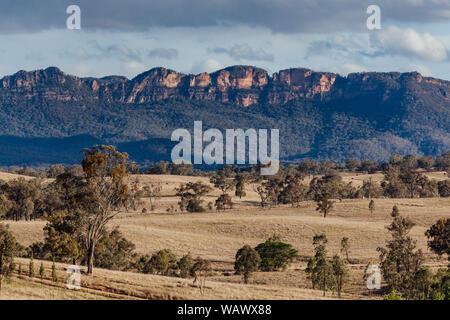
[199, 271]
[8, 246]
[275, 255]
[439, 237]
[341, 273]
[371, 206]
[319, 269]
[345, 246]
[247, 262]
[399, 261]
[324, 204]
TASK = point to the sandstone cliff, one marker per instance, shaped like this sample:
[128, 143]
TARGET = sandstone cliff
[239, 85]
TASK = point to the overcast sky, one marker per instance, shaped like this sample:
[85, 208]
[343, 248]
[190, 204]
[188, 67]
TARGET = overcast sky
[191, 36]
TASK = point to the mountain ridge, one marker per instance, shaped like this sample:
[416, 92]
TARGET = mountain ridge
[241, 85]
[320, 114]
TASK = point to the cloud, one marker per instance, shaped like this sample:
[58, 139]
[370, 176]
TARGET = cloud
[95, 51]
[423, 70]
[120, 51]
[409, 43]
[133, 67]
[347, 68]
[163, 53]
[209, 65]
[243, 52]
[287, 16]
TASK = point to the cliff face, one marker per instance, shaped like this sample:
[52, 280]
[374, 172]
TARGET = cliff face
[47, 116]
[239, 85]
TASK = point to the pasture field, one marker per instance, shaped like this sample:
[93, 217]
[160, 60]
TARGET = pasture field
[217, 236]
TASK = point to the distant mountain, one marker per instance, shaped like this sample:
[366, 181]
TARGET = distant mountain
[47, 116]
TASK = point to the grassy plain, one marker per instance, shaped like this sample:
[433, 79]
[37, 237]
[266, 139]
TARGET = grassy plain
[217, 236]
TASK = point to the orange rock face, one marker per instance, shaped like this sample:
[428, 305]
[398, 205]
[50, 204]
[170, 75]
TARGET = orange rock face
[239, 85]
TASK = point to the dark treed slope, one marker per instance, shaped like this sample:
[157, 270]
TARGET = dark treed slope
[46, 115]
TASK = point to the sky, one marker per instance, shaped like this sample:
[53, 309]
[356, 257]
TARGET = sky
[191, 36]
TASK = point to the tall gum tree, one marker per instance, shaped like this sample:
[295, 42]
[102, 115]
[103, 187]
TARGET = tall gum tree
[105, 169]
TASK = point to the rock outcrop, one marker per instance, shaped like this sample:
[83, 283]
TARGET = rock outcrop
[239, 85]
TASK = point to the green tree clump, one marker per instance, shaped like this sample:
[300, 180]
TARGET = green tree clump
[275, 255]
[247, 261]
[320, 269]
[8, 246]
[54, 275]
[185, 265]
[31, 267]
[42, 271]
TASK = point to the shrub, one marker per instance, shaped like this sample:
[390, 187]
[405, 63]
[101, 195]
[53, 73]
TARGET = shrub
[195, 206]
[185, 265]
[41, 271]
[31, 267]
[163, 262]
[54, 275]
[114, 251]
[393, 296]
[275, 255]
[247, 262]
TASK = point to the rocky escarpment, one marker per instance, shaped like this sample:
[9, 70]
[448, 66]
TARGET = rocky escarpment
[239, 85]
[47, 116]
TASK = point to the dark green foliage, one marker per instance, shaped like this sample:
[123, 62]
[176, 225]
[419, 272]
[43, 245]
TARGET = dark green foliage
[194, 205]
[54, 275]
[8, 246]
[114, 251]
[224, 201]
[31, 267]
[275, 254]
[163, 262]
[41, 271]
[400, 261]
[444, 188]
[372, 206]
[439, 237]
[247, 261]
[185, 265]
[393, 296]
[241, 179]
[341, 273]
[21, 199]
[190, 194]
[320, 269]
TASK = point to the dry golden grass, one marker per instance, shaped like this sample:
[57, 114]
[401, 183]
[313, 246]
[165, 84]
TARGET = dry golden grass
[107, 284]
[6, 176]
[218, 235]
[24, 289]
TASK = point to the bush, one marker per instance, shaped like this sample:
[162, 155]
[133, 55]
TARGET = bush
[247, 262]
[194, 206]
[275, 255]
[163, 262]
[114, 252]
[393, 296]
[185, 265]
